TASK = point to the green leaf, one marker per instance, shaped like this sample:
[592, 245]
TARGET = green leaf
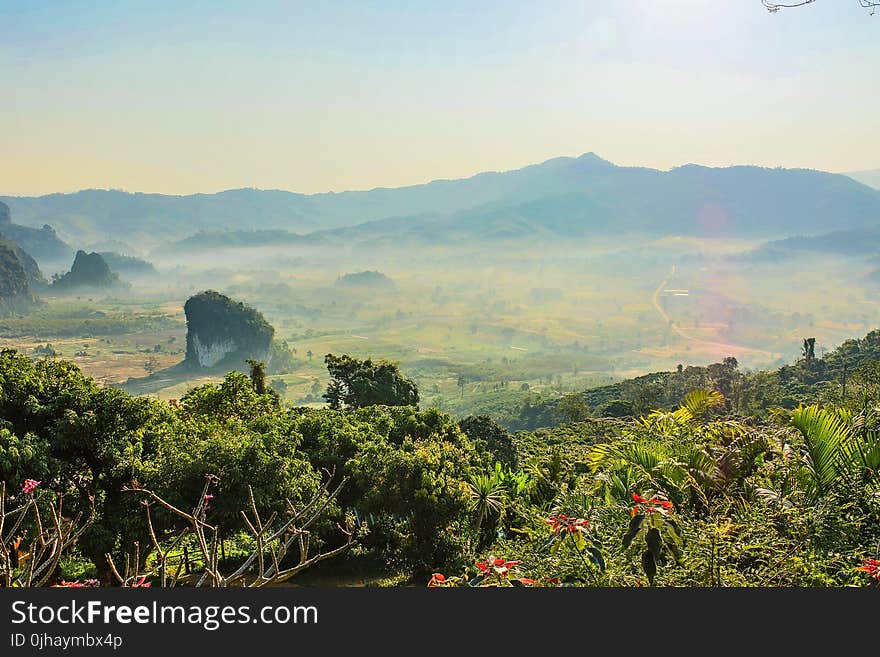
[673, 532]
[649, 566]
[596, 557]
[634, 526]
[654, 542]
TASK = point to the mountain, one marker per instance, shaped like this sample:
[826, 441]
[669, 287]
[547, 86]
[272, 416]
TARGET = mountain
[850, 243]
[733, 202]
[15, 293]
[88, 270]
[211, 241]
[42, 243]
[129, 265]
[870, 178]
[221, 330]
[563, 197]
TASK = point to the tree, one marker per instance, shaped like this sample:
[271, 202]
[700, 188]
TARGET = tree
[773, 7]
[809, 350]
[489, 436]
[88, 441]
[618, 408]
[574, 407]
[150, 365]
[417, 494]
[258, 375]
[358, 383]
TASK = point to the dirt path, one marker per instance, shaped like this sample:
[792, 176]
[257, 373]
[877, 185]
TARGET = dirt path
[725, 347]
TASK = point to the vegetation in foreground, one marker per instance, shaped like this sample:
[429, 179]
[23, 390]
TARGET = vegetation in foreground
[110, 488]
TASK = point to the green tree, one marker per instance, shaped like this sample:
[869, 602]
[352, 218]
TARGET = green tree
[91, 441]
[574, 407]
[258, 375]
[490, 437]
[358, 383]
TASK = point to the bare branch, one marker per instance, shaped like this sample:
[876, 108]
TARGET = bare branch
[773, 7]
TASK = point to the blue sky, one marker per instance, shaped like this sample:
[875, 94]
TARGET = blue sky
[181, 97]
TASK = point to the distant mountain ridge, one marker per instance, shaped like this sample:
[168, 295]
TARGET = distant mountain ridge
[41, 243]
[870, 178]
[563, 197]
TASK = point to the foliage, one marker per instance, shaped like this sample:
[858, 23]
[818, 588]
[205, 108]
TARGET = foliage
[357, 383]
[489, 436]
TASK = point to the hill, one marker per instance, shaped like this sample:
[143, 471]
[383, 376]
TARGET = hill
[88, 270]
[564, 197]
[210, 241]
[222, 332]
[42, 243]
[372, 280]
[129, 265]
[854, 242]
[15, 292]
[29, 265]
[850, 367]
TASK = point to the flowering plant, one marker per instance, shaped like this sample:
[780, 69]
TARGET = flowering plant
[872, 567]
[652, 519]
[30, 485]
[575, 532]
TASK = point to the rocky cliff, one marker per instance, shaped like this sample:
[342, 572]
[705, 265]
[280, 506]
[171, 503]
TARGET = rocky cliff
[221, 331]
[15, 292]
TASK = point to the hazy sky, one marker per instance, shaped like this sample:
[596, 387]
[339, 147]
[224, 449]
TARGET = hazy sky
[180, 97]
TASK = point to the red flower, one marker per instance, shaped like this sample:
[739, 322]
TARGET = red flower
[872, 567]
[654, 505]
[437, 579]
[526, 581]
[208, 497]
[75, 584]
[499, 566]
[142, 583]
[564, 523]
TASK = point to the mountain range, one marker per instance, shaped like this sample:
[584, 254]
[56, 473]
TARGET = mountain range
[565, 197]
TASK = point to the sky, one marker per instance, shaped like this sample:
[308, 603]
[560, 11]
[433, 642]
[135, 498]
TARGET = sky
[182, 97]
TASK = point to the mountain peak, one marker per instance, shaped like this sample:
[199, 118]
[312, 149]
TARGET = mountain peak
[592, 158]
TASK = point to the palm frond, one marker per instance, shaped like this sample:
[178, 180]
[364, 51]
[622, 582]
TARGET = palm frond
[826, 436]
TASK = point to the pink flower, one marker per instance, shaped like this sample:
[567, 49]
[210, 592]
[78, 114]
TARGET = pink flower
[30, 485]
[141, 583]
[209, 497]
